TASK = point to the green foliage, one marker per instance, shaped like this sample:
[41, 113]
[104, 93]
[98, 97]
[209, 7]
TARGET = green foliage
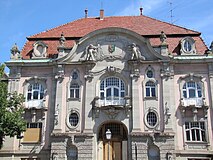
[11, 111]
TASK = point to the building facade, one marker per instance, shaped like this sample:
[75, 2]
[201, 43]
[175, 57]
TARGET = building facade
[145, 82]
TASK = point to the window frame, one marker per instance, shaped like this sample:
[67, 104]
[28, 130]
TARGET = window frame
[185, 42]
[188, 88]
[73, 92]
[191, 78]
[198, 132]
[113, 89]
[75, 89]
[33, 127]
[150, 110]
[73, 111]
[152, 94]
[40, 90]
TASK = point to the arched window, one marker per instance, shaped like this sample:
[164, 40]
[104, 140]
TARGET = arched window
[192, 90]
[195, 131]
[150, 89]
[153, 153]
[35, 92]
[112, 91]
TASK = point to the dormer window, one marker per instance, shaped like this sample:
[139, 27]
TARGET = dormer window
[187, 46]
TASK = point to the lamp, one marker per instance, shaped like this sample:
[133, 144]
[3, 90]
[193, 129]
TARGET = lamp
[108, 137]
[108, 134]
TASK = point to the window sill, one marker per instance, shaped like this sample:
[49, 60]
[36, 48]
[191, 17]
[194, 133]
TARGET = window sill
[74, 99]
[151, 98]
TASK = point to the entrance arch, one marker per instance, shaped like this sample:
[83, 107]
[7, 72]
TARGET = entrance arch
[116, 147]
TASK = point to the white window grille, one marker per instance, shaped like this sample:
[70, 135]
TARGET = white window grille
[150, 89]
[74, 90]
[35, 92]
[195, 131]
[192, 90]
[151, 119]
[112, 91]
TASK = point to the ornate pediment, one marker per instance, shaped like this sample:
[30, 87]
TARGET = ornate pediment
[112, 44]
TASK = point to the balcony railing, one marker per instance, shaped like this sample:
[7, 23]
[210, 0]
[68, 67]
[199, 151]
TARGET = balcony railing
[107, 101]
[197, 102]
[38, 104]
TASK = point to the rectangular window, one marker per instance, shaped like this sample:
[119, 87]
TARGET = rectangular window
[195, 131]
[147, 92]
[33, 133]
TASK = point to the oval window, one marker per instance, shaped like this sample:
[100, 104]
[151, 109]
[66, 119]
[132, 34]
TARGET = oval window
[152, 119]
[73, 119]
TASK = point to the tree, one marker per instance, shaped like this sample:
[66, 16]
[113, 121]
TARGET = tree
[12, 122]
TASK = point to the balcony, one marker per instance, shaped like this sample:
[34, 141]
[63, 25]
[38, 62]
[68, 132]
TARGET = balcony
[112, 101]
[109, 101]
[38, 104]
[193, 102]
[112, 106]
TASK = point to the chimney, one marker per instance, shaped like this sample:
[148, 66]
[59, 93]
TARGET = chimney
[141, 11]
[86, 13]
[101, 14]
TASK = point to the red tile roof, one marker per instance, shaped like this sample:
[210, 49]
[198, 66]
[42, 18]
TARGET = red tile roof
[143, 25]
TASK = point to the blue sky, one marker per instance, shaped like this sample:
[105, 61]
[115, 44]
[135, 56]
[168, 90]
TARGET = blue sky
[22, 18]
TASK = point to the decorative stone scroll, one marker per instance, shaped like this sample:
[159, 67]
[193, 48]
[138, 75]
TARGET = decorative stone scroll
[39, 50]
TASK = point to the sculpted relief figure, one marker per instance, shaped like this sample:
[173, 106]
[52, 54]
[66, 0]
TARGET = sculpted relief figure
[91, 52]
[136, 54]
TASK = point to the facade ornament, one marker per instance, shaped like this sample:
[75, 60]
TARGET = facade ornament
[111, 69]
[88, 70]
[39, 50]
[62, 40]
[91, 52]
[167, 113]
[167, 70]
[135, 73]
[60, 73]
[136, 54]
[15, 53]
[163, 37]
[111, 111]
[56, 114]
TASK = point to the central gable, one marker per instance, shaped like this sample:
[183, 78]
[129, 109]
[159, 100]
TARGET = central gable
[111, 44]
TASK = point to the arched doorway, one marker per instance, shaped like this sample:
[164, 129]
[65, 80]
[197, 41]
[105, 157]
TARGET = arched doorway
[153, 152]
[116, 147]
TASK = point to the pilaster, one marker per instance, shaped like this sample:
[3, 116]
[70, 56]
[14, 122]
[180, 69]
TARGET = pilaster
[168, 101]
[58, 99]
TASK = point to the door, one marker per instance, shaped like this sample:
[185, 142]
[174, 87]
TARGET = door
[113, 150]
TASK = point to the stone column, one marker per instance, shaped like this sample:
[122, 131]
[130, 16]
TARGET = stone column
[58, 99]
[168, 101]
